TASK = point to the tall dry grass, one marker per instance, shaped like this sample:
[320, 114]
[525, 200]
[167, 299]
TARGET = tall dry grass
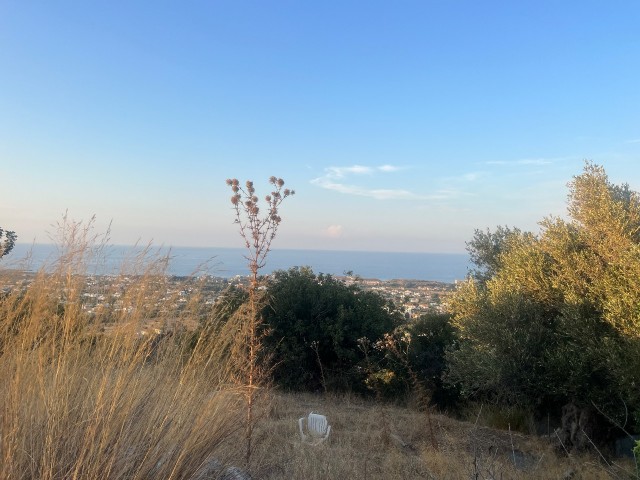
[88, 395]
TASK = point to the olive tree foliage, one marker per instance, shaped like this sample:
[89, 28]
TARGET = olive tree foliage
[485, 248]
[7, 241]
[554, 318]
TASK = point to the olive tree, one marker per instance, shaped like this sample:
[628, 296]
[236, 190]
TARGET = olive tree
[554, 318]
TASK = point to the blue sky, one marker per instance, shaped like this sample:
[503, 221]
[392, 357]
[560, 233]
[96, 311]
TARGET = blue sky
[402, 126]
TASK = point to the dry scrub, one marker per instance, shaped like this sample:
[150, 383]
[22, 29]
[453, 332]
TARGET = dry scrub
[373, 441]
[87, 395]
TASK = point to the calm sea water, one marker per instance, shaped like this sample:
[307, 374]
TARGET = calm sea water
[228, 262]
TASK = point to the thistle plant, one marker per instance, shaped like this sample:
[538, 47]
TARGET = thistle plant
[258, 231]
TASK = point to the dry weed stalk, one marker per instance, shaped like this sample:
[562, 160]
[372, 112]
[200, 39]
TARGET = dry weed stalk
[257, 231]
[84, 394]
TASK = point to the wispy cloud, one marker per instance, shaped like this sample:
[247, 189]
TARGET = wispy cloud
[334, 179]
[524, 161]
[377, 193]
[341, 172]
[633, 140]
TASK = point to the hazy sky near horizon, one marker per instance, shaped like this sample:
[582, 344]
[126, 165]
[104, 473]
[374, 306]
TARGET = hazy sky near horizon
[402, 126]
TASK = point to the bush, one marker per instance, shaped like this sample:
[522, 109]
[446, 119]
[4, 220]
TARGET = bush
[432, 336]
[317, 326]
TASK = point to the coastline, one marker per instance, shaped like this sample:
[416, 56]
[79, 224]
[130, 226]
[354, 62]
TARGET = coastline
[229, 262]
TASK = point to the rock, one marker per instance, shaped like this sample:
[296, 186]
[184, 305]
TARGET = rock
[401, 443]
[234, 473]
[212, 469]
[523, 461]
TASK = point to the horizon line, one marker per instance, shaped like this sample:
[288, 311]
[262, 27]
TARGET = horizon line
[346, 250]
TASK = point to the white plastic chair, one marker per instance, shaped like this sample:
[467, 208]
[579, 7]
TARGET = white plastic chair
[318, 429]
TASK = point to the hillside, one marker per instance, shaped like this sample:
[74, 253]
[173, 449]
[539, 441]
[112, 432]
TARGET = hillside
[370, 440]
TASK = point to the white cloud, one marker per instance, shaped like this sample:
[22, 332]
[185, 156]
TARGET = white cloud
[330, 181]
[333, 231]
[633, 140]
[334, 177]
[341, 172]
[388, 168]
[380, 193]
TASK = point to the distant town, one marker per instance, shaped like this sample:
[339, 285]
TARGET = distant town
[413, 298]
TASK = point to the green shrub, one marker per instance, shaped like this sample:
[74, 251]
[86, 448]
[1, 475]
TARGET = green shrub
[316, 325]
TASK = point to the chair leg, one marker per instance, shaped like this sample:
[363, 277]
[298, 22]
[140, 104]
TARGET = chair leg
[302, 435]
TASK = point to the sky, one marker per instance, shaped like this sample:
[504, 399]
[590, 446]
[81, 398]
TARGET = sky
[402, 126]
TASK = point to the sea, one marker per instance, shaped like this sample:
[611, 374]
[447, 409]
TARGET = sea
[230, 262]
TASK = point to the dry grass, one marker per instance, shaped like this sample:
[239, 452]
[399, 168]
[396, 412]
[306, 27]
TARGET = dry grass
[87, 397]
[371, 441]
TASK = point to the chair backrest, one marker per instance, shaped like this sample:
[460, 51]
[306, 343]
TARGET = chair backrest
[317, 425]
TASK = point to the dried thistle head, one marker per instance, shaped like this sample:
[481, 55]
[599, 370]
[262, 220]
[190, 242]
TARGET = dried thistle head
[257, 232]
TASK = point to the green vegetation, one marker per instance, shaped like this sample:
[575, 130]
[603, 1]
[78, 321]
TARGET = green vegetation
[553, 320]
[429, 338]
[547, 326]
[7, 243]
[317, 326]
